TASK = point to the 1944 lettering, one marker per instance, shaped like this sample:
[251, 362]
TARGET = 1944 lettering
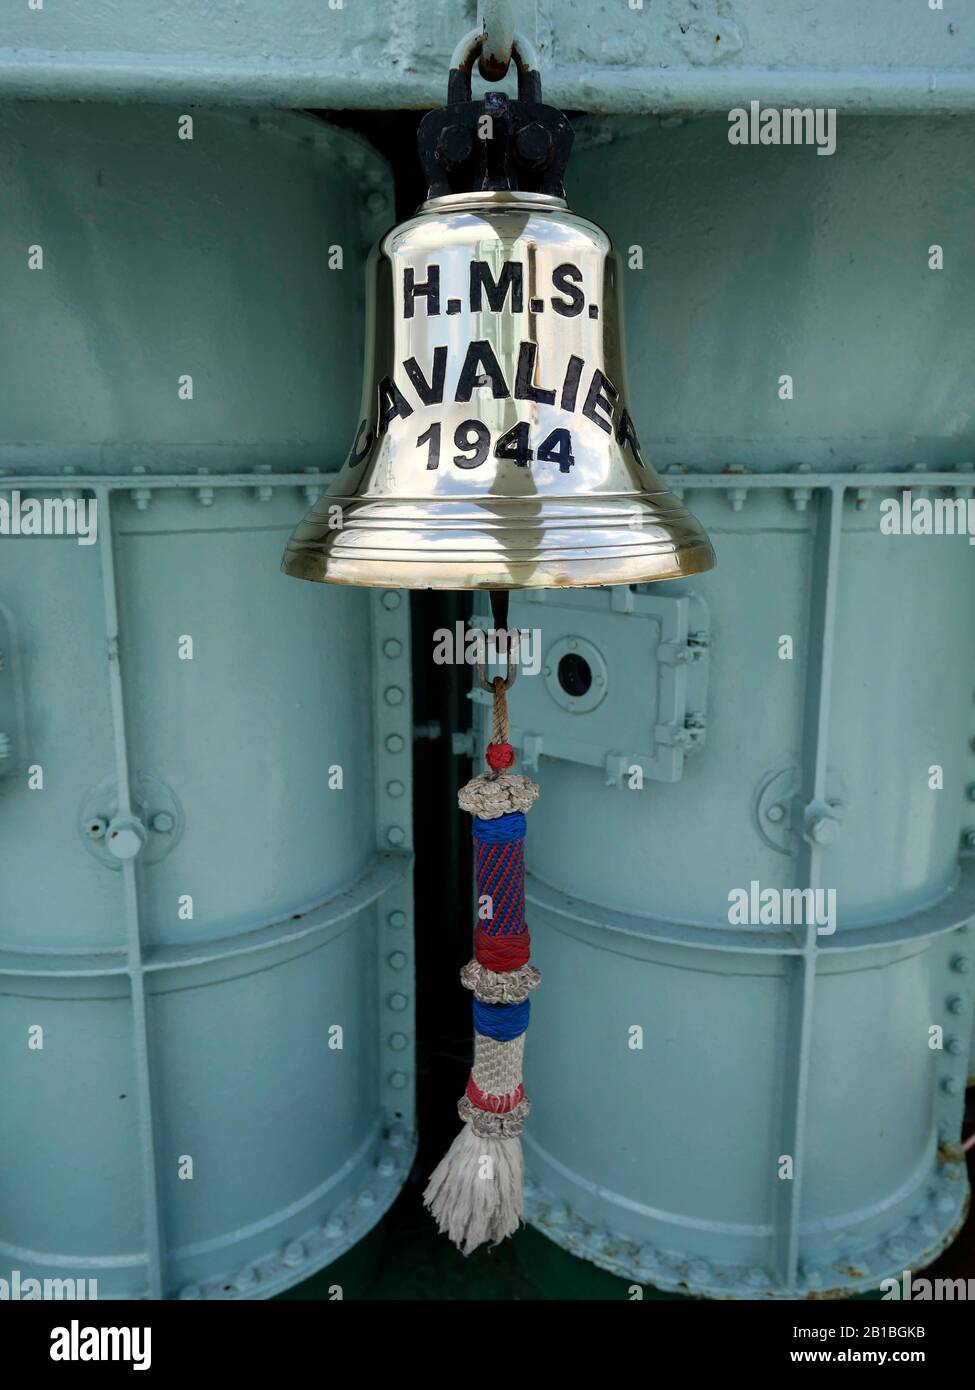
[472, 440]
[577, 389]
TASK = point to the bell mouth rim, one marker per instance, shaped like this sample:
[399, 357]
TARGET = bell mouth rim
[501, 197]
[554, 543]
[419, 571]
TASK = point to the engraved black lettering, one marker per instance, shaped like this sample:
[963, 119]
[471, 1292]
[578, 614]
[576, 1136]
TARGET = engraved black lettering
[392, 402]
[430, 393]
[481, 368]
[525, 390]
[432, 437]
[602, 394]
[570, 384]
[557, 448]
[563, 277]
[482, 279]
[626, 434]
[471, 451]
[514, 444]
[430, 289]
[359, 451]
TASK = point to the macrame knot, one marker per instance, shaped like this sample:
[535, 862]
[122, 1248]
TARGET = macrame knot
[491, 797]
[500, 756]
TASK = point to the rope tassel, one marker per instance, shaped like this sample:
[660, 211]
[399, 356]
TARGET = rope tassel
[475, 1192]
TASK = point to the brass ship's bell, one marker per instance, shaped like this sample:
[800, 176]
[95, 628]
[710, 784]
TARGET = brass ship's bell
[496, 445]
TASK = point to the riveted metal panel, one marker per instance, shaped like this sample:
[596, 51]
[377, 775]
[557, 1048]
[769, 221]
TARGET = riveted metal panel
[206, 993]
[660, 1156]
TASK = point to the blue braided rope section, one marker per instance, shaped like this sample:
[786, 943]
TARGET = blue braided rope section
[501, 871]
[501, 829]
[502, 1022]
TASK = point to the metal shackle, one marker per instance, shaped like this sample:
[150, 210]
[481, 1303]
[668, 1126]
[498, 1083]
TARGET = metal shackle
[472, 46]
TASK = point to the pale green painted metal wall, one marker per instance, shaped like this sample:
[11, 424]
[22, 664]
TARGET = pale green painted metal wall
[598, 55]
[171, 1035]
[162, 258]
[662, 1163]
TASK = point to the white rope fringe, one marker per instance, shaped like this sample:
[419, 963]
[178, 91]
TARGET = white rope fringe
[475, 1193]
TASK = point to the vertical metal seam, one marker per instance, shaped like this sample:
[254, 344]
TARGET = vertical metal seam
[130, 887]
[815, 737]
[389, 613]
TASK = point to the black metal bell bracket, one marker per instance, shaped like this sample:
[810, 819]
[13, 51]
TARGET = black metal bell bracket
[495, 143]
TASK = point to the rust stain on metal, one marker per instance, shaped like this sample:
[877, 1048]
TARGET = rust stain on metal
[952, 1153]
[963, 1217]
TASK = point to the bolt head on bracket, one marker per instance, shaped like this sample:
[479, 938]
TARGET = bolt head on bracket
[150, 831]
[125, 837]
[783, 819]
[820, 825]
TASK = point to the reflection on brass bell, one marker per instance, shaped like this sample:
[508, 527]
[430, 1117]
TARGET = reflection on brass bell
[496, 445]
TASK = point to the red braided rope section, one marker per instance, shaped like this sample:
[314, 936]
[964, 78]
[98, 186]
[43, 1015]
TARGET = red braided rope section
[500, 1105]
[501, 953]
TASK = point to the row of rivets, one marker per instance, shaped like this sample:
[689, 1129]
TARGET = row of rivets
[896, 1250]
[665, 1269]
[952, 1085]
[391, 656]
[297, 1253]
[622, 1256]
[141, 495]
[737, 494]
[394, 696]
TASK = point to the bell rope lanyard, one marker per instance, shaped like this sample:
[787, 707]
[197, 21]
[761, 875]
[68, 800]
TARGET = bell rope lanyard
[475, 1193]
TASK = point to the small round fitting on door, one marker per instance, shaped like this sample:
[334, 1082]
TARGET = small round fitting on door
[576, 675]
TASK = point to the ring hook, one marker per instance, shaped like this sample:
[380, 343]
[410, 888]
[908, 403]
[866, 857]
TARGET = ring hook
[511, 667]
[498, 25]
[471, 46]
